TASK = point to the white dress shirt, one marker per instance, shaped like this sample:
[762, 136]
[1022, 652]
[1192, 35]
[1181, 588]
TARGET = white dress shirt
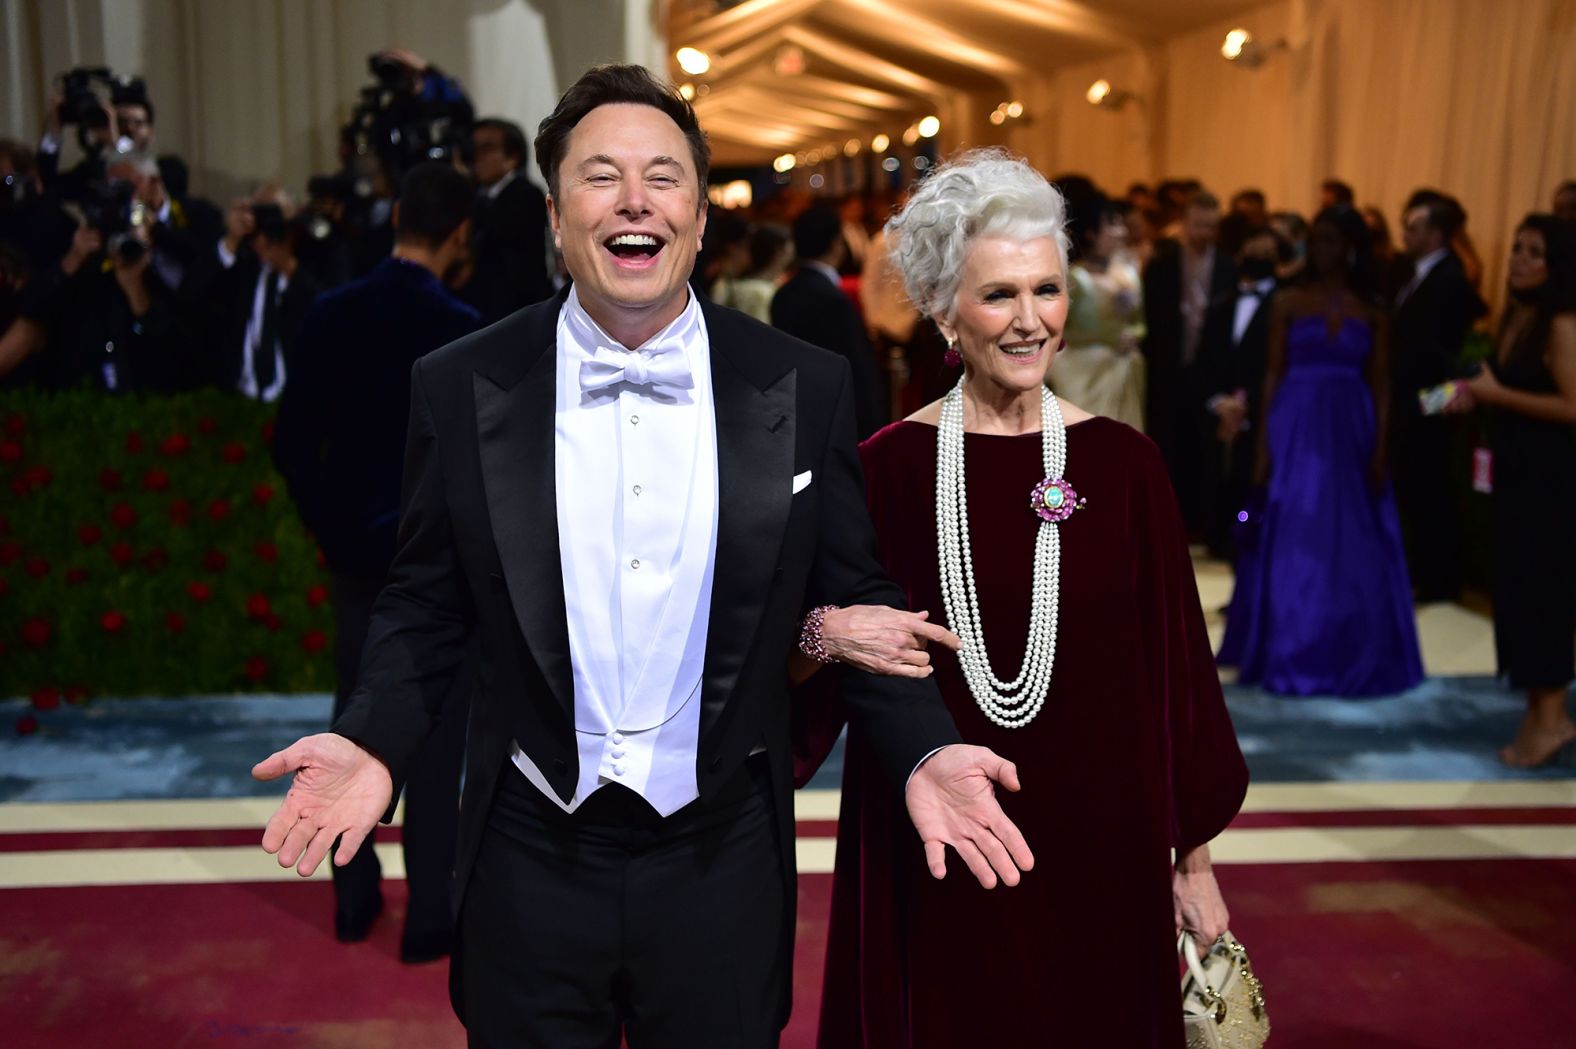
[1250, 299]
[1425, 266]
[250, 340]
[636, 474]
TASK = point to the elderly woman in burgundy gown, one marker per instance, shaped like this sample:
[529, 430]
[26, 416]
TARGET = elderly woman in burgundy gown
[1055, 534]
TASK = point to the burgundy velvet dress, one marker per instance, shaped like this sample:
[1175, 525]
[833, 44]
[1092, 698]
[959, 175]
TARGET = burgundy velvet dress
[1133, 754]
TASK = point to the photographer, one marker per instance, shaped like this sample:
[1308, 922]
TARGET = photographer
[111, 114]
[34, 234]
[259, 295]
[509, 267]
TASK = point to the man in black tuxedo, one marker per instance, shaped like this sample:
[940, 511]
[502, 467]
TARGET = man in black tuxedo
[1181, 281]
[812, 306]
[337, 444]
[1431, 315]
[509, 267]
[1233, 350]
[258, 295]
[629, 499]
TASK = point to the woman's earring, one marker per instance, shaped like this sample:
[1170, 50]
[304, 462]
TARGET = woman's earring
[952, 358]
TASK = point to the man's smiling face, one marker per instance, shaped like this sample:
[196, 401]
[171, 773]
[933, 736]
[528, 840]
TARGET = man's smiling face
[628, 215]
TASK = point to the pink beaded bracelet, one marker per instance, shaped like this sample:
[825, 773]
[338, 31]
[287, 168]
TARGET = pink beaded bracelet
[810, 635]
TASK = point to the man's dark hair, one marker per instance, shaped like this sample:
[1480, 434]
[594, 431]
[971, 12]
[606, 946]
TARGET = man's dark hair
[609, 85]
[1442, 213]
[766, 243]
[513, 138]
[1340, 192]
[1253, 196]
[815, 231]
[433, 200]
[133, 93]
[1203, 198]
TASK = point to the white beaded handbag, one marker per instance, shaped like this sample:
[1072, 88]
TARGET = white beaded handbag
[1222, 1001]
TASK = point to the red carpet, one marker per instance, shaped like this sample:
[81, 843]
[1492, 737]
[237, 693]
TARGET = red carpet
[1420, 955]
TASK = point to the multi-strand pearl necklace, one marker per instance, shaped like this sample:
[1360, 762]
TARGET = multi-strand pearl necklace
[1010, 704]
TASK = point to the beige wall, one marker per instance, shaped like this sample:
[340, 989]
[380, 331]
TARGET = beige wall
[256, 89]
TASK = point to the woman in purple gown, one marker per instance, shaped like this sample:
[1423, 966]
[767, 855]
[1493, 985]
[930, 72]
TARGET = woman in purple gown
[1322, 604]
[1126, 754]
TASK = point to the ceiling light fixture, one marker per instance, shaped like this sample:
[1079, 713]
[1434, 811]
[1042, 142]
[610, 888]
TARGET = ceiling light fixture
[1102, 94]
[928, 126]
[880, 143]
[784, 163]
[687, 92]
[851, 147]
[1244, 49]
[693, 61]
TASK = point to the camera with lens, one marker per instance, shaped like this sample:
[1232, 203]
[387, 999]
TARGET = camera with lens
[113, 210]
[407, 117]
[83, 92]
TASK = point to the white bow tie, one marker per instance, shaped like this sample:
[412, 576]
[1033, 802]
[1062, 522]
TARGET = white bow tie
[664, 367]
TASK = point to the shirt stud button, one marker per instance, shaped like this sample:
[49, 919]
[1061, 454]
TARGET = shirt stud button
[618, 770]
[637, 489]
[634, 420]
[634, 562]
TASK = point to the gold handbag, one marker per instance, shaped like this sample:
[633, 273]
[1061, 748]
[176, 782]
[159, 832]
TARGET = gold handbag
[1222, 1001]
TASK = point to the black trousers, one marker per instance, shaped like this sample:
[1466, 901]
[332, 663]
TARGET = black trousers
[1426, 498]
[579, 928]
[432, 794]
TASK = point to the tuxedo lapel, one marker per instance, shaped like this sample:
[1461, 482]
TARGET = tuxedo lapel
[755, 418]
[514, 430]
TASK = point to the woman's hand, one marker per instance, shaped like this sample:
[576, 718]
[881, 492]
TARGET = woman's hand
[1196, 899]
[1484, 387]
[882, 640]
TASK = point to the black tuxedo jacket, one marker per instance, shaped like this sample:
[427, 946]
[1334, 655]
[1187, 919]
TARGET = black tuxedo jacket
[510, 241]
[479, 554]
[1169, 381]
[1427, 331]
[1229, 365]
[812, 308]
[226, 296]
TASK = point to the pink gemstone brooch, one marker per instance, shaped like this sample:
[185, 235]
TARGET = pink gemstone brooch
[1053, 499]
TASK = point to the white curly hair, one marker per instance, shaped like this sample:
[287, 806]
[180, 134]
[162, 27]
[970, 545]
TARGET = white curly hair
[982, 192]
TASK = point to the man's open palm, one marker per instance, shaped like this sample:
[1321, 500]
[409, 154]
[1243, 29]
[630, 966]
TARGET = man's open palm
[340, 791]
[952, 801]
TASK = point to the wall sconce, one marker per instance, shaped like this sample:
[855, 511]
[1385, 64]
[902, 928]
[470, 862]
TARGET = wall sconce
[1005, 112]
[1246, 50]
[1102, 94]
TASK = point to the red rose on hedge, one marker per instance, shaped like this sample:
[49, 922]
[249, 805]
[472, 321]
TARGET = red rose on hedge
[317, 595]
[180, 513]
[46, 698]
[10, 550]
[36, 567]
[175, 444]
[112, 621]
[76, 695]
[262, 492]
[268, 432]
[20, 486]
[207, 425]
[314, 641]
[234, 452]
[122, 516]
[155, 480]
[219, 509]
[322, 562]
[257, 668]
[134, 443]
[10, 452]
[76, 576]
[214, 561]
[38, 477]
[199, 591]
[267, 551]
[89, 534]
[26, 725]
[15, 426]
[109, 480]
[36, 632]
[273, 622]
[257, 606]
[155, 560]
[174, 622]
[121, 554]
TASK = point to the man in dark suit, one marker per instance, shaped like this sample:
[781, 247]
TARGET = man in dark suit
[1233, 349]
[337, 444]
[1181, 281]
[258, 295]
[1431, 315]
[509, 262]
[812, 306]
[629, 499]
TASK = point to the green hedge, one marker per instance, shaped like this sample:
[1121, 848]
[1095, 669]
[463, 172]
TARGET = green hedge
[148, 547]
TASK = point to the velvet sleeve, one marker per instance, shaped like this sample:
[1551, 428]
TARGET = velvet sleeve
[1207, 775]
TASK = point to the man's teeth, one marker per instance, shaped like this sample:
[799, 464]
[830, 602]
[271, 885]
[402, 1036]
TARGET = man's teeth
[633, 240]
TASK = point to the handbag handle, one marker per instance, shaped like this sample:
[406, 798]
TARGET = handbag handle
[1188, 948]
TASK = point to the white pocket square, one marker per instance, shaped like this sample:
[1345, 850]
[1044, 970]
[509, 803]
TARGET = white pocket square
[801, 482]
